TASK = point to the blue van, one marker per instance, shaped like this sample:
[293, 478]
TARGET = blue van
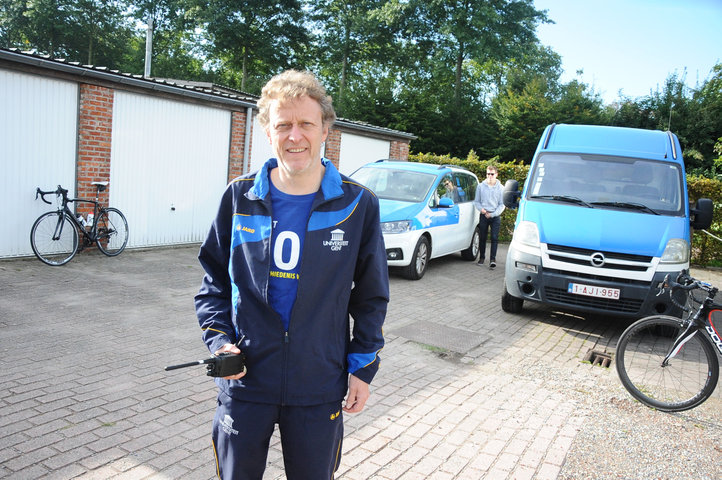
[603, 217]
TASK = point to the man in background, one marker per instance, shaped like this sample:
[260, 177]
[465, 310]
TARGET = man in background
[489, 200]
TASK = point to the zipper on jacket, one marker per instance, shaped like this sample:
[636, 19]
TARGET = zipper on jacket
[284, 367]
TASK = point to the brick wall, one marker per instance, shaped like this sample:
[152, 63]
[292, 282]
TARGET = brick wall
[95, 130]
[333, 146]
[238, 136]
[399, 150]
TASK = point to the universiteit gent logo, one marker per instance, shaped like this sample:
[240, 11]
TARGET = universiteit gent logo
[337, 242]
[227, 425]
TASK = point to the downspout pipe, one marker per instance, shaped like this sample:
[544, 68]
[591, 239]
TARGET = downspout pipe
[247, 140]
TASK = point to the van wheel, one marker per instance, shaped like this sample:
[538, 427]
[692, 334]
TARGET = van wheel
[416, 269]
[511, 304]
[473, 251]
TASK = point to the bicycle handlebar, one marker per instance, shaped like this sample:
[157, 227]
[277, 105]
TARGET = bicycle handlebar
[59, 191]
[687, 283]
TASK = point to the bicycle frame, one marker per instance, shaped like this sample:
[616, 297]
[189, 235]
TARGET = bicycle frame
[695, 324]
[92, 234]
[711, 331]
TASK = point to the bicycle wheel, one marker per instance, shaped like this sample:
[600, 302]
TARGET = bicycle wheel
[685, 382]
[54, 238]
[112, 232]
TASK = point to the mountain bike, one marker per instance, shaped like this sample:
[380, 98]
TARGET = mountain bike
[55, 235]
[671, 363]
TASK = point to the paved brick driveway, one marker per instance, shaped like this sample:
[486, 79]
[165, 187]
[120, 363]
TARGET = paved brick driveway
[465, 390]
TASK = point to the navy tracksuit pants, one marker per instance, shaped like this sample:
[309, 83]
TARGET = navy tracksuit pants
[310, 438]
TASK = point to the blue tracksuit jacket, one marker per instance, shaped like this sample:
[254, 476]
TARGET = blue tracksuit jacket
[343, 272]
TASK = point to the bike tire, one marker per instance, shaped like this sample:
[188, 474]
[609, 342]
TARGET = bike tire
[112, 232]
[689, 378]
[52, 251]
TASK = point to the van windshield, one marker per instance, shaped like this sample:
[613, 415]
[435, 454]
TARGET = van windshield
[600, 181]
[401, 185]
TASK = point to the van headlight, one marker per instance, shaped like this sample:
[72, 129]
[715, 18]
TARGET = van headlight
[396, 227]
[527, 233]
[676, 251]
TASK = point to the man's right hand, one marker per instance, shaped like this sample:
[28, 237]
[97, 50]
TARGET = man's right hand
[231, 348]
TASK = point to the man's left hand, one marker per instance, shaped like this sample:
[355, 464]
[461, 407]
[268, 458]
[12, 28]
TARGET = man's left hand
[358, 393]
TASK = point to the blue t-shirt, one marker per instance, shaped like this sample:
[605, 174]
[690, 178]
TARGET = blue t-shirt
[290, 218]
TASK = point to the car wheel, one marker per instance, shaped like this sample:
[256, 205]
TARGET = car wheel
[416, 269]
[511, 304]
[473, 251]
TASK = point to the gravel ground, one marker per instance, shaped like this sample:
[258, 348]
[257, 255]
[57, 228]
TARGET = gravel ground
[613, 442]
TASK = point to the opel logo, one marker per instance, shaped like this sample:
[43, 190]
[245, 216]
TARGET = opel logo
[597, 259]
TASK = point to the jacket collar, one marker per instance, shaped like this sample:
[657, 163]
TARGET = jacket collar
[330, 183]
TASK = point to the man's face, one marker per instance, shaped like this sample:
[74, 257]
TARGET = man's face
[296, 132]
[491, 176]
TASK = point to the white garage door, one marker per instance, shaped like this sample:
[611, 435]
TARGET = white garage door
[357, 151]
[38, 125]
[260, 146]
[169, 166]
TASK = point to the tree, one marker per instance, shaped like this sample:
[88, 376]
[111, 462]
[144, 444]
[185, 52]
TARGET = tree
[578, 105]
[87, 31]
[706, 117]
[521, 116]
[100, 31]
[353, 37]
[14, 24]
[256, 38]
[463, 30]
[694, 115]
[41, 24]
[449, 46]
[176, 46]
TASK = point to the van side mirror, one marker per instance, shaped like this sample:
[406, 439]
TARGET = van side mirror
[702, 213]
[511, 194]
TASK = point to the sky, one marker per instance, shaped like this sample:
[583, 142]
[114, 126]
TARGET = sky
[632, 46]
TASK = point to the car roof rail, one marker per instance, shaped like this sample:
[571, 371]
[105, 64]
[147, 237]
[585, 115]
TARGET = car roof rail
[451, 165]
[383, 160]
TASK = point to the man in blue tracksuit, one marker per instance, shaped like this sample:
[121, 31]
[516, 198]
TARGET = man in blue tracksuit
[294, 250]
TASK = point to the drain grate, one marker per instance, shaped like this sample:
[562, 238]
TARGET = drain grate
[598, 358]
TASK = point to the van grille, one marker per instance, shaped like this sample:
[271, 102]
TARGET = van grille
[596, 278]
[613, 260]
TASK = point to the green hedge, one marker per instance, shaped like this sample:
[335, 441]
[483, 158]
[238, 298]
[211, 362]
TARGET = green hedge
[706, 250]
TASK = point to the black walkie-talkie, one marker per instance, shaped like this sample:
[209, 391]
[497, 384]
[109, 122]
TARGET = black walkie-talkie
[222, 365]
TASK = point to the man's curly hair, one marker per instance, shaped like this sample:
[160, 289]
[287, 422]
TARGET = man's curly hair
[293, 84]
